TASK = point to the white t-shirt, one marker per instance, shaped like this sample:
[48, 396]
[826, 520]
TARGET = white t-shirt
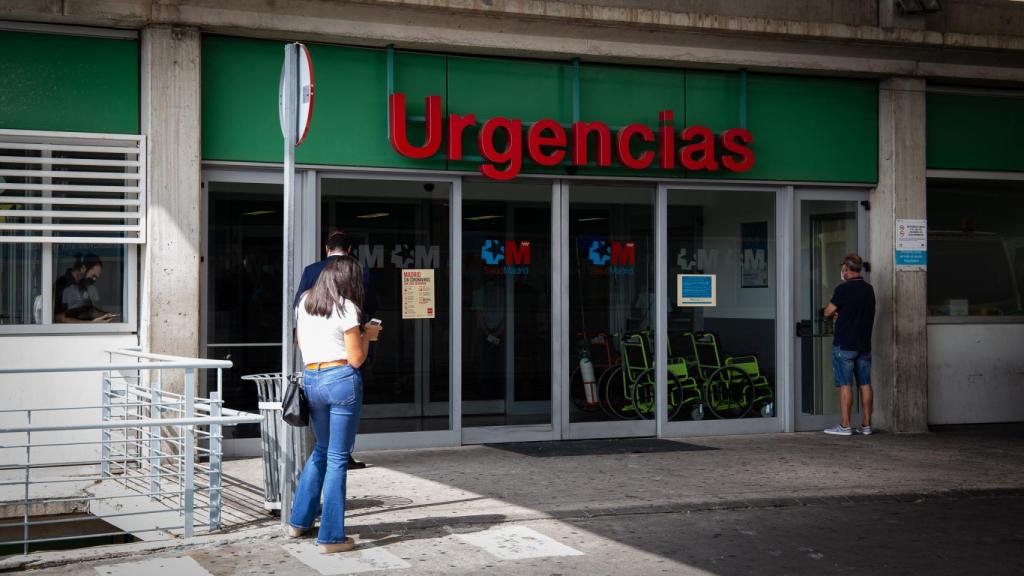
[323, 339]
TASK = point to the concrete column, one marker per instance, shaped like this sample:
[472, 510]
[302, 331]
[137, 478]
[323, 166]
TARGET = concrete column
[900, 346]
[171, 121]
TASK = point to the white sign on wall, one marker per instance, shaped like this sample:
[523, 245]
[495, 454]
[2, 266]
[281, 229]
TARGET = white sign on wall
[911, 244]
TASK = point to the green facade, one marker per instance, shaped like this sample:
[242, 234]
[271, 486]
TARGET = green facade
[975, 132]
[69, 83]
[805, 129]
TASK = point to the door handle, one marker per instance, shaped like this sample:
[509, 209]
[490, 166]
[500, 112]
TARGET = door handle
[804, 328]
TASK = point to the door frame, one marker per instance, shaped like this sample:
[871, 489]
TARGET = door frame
[798, 421]
[534, 432]
[452, 436]
[782, 196]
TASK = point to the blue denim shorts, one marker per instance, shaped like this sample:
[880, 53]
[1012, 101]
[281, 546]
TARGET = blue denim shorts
[847, 362]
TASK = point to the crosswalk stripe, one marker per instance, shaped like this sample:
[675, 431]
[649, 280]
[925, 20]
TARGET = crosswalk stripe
[183, 566]
[354, 562]
[517, 543]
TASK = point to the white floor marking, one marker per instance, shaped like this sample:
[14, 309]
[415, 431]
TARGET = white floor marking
[517, 543]
[159, 567]
[353, 562]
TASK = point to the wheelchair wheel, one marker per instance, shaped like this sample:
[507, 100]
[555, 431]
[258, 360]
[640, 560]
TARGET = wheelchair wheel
[729, 393]
[644, 405]
[617, 402]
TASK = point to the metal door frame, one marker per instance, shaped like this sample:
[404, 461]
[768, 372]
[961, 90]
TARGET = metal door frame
[797, 420]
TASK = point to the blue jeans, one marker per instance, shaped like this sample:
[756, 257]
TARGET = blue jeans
[335, 401]
[846, 362]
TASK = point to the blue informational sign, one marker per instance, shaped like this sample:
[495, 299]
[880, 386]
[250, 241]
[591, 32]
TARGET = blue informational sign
[695, 290]
[911, 258]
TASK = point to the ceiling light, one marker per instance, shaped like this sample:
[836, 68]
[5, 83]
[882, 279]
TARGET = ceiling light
[487, 217]
[373, 215]
[590, 219]
[259, 213]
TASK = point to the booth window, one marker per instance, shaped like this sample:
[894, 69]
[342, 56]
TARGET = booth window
[72, 208]
[975, 248]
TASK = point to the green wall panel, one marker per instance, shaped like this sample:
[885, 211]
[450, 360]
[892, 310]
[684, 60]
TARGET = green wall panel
[514, 89]
[975, 132]
[817, 129]
[69, 83]
[805, 129]
[349, 126]
[619, 95]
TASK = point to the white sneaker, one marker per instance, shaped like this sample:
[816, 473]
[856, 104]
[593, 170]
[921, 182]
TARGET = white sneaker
[865, 430]
[839, 430]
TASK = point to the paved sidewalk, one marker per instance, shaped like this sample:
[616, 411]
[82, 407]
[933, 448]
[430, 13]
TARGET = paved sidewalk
[586, 507]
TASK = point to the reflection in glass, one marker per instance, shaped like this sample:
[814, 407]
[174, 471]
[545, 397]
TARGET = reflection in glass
[506, 357]
[975, 248]
[396, 226]
[722, 356]
[611, 302]
[243, 311]
[21, 291]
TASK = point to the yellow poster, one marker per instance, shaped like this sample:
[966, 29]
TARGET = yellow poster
[417, 294]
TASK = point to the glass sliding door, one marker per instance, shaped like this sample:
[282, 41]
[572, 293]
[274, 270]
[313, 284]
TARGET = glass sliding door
[242, 303]
[401, 232]
[506, 310]
[830, 227]
[611, 305]
[722, 280]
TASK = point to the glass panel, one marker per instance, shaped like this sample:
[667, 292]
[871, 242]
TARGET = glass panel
[396, 226]
[89, 283]
[243, 289]
[244, 248]
[506, 294]
[828, 232]
[722, 313]
[975, 248]
[21, 295]
[611, 299]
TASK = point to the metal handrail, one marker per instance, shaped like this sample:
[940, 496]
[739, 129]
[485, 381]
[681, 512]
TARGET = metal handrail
[141, 452]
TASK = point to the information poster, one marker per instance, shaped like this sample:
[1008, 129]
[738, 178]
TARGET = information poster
[696, 290]
[417, 294]
[911, 244]
[754, 258]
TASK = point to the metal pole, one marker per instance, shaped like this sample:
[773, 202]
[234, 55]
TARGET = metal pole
[290, 121]
[28, 481]
[189, 435]
[215, 457]
[105, 434]
[155, 413]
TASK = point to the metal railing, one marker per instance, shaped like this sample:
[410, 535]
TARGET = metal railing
[144, 459]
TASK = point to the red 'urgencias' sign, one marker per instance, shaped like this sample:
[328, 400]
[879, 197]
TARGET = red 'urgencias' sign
[547, 142]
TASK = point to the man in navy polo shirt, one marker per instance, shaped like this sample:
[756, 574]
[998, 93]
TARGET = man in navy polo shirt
[853, 308]
[338, 244]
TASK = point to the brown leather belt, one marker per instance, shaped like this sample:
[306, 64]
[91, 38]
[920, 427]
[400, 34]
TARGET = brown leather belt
[322, 365]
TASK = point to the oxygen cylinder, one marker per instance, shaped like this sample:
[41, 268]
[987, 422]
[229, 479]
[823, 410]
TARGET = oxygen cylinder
[589, 381]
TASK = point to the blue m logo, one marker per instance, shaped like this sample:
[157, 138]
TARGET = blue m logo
[600, 253]
[493, 252]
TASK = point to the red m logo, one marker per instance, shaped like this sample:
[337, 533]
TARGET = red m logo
[517, 253]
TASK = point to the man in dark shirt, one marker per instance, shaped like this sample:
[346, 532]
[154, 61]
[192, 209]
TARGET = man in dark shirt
[853, 308]
[337, 244]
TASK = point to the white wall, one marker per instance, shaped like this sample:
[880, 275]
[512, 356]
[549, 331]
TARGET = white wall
[33, 391]
[975, 373]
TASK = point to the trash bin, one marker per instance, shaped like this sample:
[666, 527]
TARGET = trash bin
[269, 390]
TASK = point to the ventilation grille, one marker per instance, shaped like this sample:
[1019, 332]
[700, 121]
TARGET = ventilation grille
[66, 187]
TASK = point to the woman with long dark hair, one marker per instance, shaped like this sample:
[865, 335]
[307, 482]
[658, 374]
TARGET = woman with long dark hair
[333, 346]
